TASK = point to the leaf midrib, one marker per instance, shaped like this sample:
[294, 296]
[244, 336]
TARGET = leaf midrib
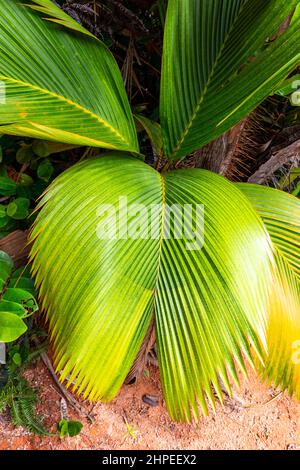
[161, 238]
[203, 93]
[282, 255]
[69, 102]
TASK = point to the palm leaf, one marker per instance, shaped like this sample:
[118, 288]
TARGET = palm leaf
[100, 295]
[217, 65]
[280, 213]
[211, 302]
[106, 303]
[60, 85]
[153, 131]
[55, 14]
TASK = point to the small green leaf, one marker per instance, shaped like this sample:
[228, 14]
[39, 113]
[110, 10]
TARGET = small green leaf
[19, 208]
[296, 191]
[11, 327]
[24, 154]
[71, 428]
[63, 428]
[17, 359]
[22, 297]
[8, 187]
[74, 428]
[41, 148]
[12, 307]
[25, 180]
[7, 226]
[25, 283]
[45, 170]
[4, 221]
[6, 265]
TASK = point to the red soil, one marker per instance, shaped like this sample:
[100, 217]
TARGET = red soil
[257, 418]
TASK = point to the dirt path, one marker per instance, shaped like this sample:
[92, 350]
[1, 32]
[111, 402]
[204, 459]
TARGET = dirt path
[248, 425]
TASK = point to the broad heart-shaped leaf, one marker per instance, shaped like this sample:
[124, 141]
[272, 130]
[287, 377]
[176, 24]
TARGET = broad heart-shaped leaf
[102, 277]
[281, 214]
[58, 84]
[11, 327]
[12, 307]
[22, 297]
[218, 65]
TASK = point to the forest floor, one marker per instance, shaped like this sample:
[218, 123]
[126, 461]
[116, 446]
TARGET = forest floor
[257, 418]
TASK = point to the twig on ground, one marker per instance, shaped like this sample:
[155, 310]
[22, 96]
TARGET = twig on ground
[64, 392]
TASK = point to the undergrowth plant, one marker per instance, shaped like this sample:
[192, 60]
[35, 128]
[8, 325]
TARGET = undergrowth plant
[233, 300]
[17, 396]
[20, 350]
[21, 399]
[17, 307]
[17, 301]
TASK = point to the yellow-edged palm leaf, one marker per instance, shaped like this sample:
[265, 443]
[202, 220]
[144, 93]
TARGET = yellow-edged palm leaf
[100, 293]
[280, 213]
[60, 84]
[220, 60]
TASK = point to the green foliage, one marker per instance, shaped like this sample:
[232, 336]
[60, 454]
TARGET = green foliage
[214, 307]
[296, 191]
[7, 186]
[210, 81]
[280, 213]
[26, 169]
[69, 428]
[132, 29]
[17, 300]
[16, 395]
[90, 109]
[288, 86]
[88, 344]
[21, 400]
[45, 170]
[153, 130]
[18, 209]
[53, 13]
[286, 181]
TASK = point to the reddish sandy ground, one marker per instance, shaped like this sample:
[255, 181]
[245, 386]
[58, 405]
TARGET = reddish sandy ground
[258, 418]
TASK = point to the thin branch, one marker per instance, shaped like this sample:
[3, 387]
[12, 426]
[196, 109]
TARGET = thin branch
[67, 395]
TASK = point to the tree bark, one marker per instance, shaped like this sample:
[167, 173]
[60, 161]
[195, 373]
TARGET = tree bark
[16, 245]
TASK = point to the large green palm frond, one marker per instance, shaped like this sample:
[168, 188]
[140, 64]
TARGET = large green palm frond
[220, 61]
[101, 292]
[280, 213]
[60, 84]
